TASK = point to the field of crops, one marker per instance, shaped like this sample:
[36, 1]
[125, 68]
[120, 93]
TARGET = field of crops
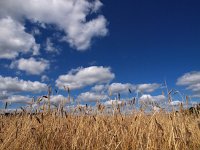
[63, 130]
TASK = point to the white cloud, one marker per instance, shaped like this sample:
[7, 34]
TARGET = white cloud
[192, 81]
[147, 87]
[3, 95]
[18, 99]
[50, 47]
[82, 77]
[31, 65]
[196, 95]
[124, 88]
[10, 84]
[189, 78]
[96, 5]
[35, 31]
[3, 111]
[194, 87]
[121, 88]
[175, 103]
[91, 97]
[14, 39]
[148, 98]
[68, 15]
[99, 88]
[57, 99]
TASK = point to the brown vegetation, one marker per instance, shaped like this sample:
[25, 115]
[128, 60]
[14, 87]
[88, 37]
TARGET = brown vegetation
[50, 131]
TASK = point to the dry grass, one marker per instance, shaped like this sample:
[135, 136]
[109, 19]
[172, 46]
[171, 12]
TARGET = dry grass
[138, 131]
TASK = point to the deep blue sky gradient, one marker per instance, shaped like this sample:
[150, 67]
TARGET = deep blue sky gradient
[148, 41]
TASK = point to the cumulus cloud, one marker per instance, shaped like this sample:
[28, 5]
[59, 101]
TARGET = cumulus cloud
[14, 39]
[192, 81]
[82, 77]
[91, 97]
[31, 65]
[10, 84]
[121, 88]
[69, 16]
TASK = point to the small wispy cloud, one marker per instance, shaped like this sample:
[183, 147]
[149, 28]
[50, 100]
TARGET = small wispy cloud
[192, 82]
[44, 78]
[50, 48]
[147, 88]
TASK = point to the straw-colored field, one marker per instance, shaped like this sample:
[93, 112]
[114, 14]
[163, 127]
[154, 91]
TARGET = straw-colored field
[132, 132]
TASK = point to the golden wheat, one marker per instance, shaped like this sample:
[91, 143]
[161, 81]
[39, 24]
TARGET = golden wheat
[68, 131]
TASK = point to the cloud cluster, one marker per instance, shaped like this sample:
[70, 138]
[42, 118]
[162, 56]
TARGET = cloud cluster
[31, 65]
[78, 19]
[14, 39]
[101, 91]
[192, 81]
[82, 77]
[11, 85]
[70, 16]
[100, 77]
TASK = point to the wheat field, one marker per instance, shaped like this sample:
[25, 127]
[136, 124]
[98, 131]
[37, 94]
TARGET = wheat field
[50, 130]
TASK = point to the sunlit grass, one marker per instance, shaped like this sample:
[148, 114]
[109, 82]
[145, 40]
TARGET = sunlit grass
[63, 130]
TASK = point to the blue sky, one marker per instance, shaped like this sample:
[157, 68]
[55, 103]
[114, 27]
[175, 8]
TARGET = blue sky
[113, 45]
